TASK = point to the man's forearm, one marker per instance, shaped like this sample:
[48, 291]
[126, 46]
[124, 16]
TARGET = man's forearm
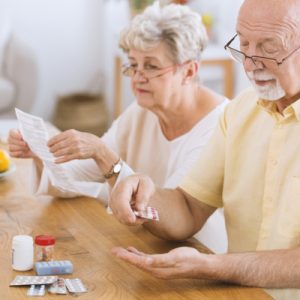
[180, 216]
[269, 269]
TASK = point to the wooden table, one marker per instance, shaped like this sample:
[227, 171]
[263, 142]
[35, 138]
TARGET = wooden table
[85, 234]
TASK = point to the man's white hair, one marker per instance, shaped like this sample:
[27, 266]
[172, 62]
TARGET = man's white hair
[177, 26]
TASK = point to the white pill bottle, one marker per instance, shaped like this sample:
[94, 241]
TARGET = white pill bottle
[22, 253]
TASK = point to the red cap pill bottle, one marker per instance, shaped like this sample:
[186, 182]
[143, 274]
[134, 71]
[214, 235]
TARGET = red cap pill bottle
[44, 247]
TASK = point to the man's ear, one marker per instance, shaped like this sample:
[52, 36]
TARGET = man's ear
[190, 72]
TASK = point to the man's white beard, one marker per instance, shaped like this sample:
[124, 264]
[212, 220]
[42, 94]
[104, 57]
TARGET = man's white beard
[271, 92]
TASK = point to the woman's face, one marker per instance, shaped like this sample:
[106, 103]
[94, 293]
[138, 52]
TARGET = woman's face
[155, 82]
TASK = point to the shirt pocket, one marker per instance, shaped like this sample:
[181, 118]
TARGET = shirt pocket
[289, 215]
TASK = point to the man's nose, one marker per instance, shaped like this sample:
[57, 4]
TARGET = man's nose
[250, 64]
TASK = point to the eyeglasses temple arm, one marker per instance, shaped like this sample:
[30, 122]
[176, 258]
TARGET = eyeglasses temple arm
[225, 47]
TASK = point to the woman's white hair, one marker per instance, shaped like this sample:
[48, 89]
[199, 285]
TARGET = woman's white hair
[177, 26]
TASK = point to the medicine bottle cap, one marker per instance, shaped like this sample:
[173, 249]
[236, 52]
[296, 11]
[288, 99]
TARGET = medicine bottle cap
[23, 240]
[44, 240]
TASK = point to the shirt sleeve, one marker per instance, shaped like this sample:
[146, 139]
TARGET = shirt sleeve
[205, 180]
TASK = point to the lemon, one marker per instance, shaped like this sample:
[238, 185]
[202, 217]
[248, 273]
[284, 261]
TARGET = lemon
[207, 20]
[4, 161]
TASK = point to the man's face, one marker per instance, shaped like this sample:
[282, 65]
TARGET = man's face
[271, 31]
[266, 84]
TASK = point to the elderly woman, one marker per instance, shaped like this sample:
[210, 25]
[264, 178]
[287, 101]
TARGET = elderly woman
[164, 131]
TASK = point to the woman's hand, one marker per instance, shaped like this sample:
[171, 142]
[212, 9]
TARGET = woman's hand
[72, 144]
[17, 146]
[183, 262]
[132, 193]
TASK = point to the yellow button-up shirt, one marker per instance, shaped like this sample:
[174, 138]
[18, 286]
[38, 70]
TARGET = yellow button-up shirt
[251, 167]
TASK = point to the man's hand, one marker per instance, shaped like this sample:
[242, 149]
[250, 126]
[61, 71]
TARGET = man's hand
[72, 144]
[17, 146]
[133, 193]
[183, 262]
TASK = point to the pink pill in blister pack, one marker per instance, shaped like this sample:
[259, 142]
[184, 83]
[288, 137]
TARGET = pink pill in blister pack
[150, 213]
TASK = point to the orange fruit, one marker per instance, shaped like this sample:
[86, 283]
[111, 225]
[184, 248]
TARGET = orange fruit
[4, 161]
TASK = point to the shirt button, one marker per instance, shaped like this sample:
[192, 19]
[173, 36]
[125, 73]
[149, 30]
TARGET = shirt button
[274, 162]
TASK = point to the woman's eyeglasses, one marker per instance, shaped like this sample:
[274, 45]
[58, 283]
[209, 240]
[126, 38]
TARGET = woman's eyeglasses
[148, 72]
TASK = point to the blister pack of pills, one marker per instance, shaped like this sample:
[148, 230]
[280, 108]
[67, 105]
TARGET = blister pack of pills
[36, 291]
[36, 280]
[75, 285]
[149, 213]
[58, 287]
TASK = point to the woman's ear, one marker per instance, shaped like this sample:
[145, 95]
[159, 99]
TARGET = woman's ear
[190, 72]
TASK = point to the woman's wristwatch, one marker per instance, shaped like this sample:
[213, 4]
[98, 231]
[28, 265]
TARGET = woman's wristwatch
[115, 169]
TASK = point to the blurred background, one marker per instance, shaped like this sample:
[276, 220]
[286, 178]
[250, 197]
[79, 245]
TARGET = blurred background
[59, 59]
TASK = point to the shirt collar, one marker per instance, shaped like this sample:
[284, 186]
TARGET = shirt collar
[271, 107]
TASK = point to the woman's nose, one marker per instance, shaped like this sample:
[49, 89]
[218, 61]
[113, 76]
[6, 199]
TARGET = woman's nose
[139, 76]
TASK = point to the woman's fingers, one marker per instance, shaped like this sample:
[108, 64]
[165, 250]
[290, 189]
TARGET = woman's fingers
[17, 146]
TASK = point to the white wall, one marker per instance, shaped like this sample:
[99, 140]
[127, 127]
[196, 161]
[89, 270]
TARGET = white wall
[116, 16]
[66, 36]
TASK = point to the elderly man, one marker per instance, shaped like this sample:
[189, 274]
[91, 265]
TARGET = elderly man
[251, 167]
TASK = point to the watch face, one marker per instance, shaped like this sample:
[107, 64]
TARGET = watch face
[117, 168]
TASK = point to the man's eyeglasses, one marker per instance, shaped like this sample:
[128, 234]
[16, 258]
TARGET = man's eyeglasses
[240, 56]
[148, 72]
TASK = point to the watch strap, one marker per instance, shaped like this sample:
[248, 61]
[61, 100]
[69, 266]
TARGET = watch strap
[115, 169]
